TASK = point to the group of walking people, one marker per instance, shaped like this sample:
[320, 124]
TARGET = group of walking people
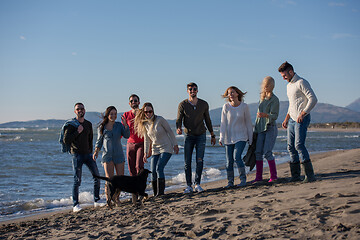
[149, 135]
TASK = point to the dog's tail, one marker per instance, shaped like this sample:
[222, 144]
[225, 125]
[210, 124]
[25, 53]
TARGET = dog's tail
[100, 177]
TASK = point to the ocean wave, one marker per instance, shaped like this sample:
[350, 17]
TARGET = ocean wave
[333, 137]
[13, 129]
[8, 138]
[352, 136]
[19, 208]
[210, 174]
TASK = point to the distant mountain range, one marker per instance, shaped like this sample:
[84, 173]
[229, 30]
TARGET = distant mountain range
[355, 106]
[322, 113]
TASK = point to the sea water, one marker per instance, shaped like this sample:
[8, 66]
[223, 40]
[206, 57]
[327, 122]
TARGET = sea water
[36, 177]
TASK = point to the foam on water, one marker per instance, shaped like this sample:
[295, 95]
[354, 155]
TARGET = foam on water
[208, 175]
[46, 180]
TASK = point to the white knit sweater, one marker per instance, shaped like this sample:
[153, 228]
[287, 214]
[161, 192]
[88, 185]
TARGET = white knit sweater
[235, 124]
[160, 135]
[301, 97]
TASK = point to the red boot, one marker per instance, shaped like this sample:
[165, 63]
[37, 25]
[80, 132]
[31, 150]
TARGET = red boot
[259, 171]
[272, 167]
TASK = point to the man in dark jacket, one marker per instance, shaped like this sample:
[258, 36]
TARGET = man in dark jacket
[80, 140]
[193, 112]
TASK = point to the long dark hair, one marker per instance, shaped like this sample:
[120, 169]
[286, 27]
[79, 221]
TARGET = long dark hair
[105, 118]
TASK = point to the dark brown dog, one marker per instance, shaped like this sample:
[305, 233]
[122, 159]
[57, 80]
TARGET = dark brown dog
[131, 184]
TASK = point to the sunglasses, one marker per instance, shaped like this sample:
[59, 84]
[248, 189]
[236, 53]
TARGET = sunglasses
[193, 89]
[150, 111]
[134, 101]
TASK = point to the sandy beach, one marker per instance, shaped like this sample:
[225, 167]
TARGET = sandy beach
[326, 209]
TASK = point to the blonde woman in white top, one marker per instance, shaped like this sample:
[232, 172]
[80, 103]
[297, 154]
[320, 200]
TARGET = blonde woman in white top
[235, 131]
[159, 142]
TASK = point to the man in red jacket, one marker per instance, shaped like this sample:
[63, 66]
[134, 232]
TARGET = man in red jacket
[135, 144]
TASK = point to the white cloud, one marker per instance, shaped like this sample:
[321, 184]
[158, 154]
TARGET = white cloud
[336, 4]
[291, 2]
[341, 36]
[22, 37]
[74, 53]
[284, 3]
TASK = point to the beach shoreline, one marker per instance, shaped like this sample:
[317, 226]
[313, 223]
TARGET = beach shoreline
[320, 210]
[336, 129]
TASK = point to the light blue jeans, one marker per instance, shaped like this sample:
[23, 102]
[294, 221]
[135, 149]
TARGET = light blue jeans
[233, 153]
[265, 143]
[198, 142]
[77, 162]
[296, 135]
[158, 163]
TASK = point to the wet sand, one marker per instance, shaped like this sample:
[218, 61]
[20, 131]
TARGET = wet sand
[326, 209]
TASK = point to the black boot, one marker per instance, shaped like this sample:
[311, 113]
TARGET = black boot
[154, 184]
[161, 186]
[309, 172]
[295, 172]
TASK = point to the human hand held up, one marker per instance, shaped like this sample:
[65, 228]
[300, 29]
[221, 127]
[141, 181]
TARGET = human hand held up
[123, 121]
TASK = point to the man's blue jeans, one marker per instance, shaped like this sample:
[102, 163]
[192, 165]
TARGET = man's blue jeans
[77, 162]
[158, 163]
[296, 135]
[265, 143]
[198, 142]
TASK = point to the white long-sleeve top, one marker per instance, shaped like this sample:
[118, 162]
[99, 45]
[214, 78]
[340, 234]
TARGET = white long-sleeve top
[301, 97]
[160, 135]
[235, 124]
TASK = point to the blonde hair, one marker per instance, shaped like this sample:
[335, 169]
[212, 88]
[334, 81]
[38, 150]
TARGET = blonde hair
[240, 97]
[267, 80]
[140, 120]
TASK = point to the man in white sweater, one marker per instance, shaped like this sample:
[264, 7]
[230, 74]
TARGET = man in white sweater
[302, 100]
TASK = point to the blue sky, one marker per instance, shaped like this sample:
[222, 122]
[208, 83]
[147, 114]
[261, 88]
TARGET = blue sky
[56, 53]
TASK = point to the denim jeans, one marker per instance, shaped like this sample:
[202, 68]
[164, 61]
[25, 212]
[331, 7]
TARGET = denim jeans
[158, 163]
[77, 162]
[233, 152]
[198, 142]
[296, 135]
[265, 143]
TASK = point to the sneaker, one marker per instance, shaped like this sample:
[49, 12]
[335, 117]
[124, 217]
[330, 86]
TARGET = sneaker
[77, 208]
[241, 184]
[100, 203]
[230, 185]
[188, 189]
[198, 188]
